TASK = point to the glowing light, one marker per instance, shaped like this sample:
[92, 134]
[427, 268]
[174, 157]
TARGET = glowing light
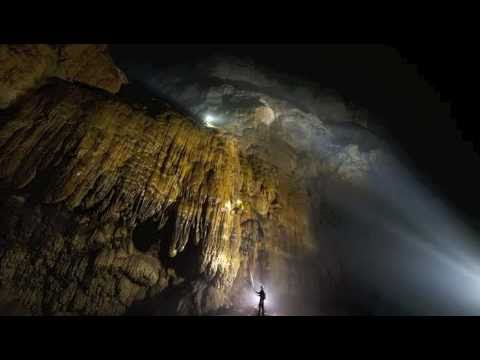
[227, 207]
[254, 299]
[209, 120]
[251, 301]
[436, 254]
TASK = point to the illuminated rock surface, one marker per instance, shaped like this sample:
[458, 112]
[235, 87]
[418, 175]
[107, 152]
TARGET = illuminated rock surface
[110, 208]
[25, 67]
[82, 172]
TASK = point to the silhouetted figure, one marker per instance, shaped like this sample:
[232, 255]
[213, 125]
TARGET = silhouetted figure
[261, 309]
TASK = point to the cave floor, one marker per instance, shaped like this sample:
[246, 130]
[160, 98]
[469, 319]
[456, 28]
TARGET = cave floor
[245, 311]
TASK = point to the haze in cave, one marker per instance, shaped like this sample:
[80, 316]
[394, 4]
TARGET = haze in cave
[178, 180]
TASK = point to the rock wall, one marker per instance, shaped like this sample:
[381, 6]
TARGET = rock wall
[317, 141]
[107, 207]
[112, 205]
[26, 67]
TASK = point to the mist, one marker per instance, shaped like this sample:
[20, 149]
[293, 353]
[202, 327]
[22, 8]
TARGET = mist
[404, 251]
[397, 247]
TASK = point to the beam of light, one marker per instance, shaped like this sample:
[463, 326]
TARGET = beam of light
[405, 244]
[255, 284]
[401, 242]
[251, 299]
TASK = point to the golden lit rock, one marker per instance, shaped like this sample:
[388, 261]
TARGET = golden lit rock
[26, 67]
[83, 172]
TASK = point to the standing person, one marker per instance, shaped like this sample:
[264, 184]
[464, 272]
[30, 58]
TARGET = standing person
[262, 295]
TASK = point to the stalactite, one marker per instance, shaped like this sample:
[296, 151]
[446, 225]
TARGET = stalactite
[80, 169]
[99, 157]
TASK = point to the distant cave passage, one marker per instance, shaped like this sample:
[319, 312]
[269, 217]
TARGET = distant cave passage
[147, 238]
[145, 235]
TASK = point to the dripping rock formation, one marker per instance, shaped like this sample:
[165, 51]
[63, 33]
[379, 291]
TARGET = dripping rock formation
[321, 145]
[110, 209]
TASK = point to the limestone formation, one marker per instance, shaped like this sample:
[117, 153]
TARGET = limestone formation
[112, 208]
[26, 67]
[90, 169]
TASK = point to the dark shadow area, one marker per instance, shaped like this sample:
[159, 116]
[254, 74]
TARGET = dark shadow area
[9, 306]
[187, 263]
[162, 304]
[141, 97]
[145, 235]
[148, 238]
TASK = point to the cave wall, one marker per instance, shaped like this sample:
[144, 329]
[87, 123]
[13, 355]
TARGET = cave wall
[81, 171]
[26, 67]
[316, 140]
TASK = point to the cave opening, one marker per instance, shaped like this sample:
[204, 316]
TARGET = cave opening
[148, 238]
[145, 235]
[156, 242]
[187, 262]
